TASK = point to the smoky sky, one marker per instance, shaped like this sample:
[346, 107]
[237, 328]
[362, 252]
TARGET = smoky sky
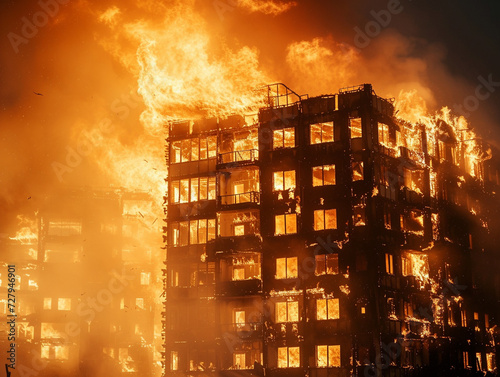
[447, 45]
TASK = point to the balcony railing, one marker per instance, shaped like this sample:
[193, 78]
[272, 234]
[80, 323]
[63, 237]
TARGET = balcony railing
[246, 197]
[249, 155]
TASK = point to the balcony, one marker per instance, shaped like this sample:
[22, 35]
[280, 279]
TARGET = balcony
[239, 287]
[239, 200]
[237, 158]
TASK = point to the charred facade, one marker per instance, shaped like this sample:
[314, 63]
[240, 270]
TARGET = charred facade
[329, 238]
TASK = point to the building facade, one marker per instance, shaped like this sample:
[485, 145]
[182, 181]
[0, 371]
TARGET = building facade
[329, 238]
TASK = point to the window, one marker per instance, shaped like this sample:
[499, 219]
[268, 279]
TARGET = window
[463, 316]
[53, 352]
[63, 304]
[323, 175]
[286, 268]
[239, 318]
[465, 357]
[326, 264]
[145, 278]
[284, 180]
[285, 224]
[193, 149]
[239, 360]
[321, 133]
[479, 361]
[389, 264]
[325, 219]
[327, 356]
[192, 190]
[174, 360]
[383, 134]
[327, 308]
[284, 138]
[288, 357]
[47, 303]
[287, 311]
[139, 302]
[490, 362]
[192, 232]
[356, 129]
[357, 171]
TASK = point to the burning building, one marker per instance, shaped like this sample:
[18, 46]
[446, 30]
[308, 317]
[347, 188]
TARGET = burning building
[327, 237]
[88, 286]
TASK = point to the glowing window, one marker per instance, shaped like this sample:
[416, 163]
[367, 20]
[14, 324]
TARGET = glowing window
[239, 360]
[195, 149]
[286, 268]
[389, 264]
[284, 180]
[356, 129]
[47, 303]
[174, 360]
[145, 278]
[192, 232]
[479, 361]
[383, 134]
[321, 133]
[491, 362]
[284, 138]
[328, 356]
[326, 264]
[239, 317]
[139, 302]
[285, 224]
[357, 171]
[287, 311]
[63, 304]
[288, 357]
[328, 308]
[463, 316]
[239, 273]
[325, 219]
[465, 358]
[323, 175]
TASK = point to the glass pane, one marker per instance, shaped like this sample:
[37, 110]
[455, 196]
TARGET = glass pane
[184, 233]
[174, 234]
[317, 173]
[315, 133]
[332, 264]
[327, 135]
[279, 224]
[334, 356]
[282, 357]
[356, 130]
[289, 138]
[211, 188]
[321, 309]
[320, 264]
[331, 218]
[212, 146]
[238, 273]
[239, 230]
[329, 174]
[239, 317]
[333, 308]
[281, 312]
[202, 231]
[184, 191]
[278, 180]
[195, 152]
[357, 171]
[186, 150]
[293, 311]
[174, 192]
[193, 232]
[211, 229]
[294, 357]
[321, 356]
[203, 188]
[194, 189]
[203, 149]
[291, 223]
[176, 152]
[280, 268]
[289, 180]
[319, 219]
[291, 268]
[278, 139]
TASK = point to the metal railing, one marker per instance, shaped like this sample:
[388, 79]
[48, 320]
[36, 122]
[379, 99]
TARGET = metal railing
[249, 155]
[246, 197]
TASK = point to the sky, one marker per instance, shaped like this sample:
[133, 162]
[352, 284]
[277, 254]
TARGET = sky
[86, 85]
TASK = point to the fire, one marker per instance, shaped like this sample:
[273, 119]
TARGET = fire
[27, 233]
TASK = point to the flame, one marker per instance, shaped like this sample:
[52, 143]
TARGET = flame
[28, 233]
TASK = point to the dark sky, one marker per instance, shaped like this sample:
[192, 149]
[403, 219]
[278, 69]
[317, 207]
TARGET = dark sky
[80, 67]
